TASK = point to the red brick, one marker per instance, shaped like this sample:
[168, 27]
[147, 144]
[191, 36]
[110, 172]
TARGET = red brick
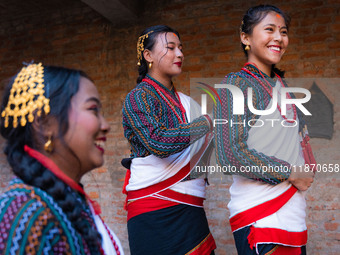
[312, 54]
[309, 5]
[323, 20]
[305, 30]
[192, 60]
[60, 42]
[316, 38]
[93, 195]
[223, 57]
[211, 19]
[193, 68]
[331, 226]
[290, 57]
[175, 7]
[335, 27]
[328, 11]
[334, 45]
[337, 18]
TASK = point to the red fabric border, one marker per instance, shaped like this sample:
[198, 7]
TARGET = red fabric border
[147, 204]
[205, 247]
[261, 211]
[277, 236]
[184, 198]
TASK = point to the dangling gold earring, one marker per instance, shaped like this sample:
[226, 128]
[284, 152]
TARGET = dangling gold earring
[48, 146]
[150, 65]
[247, 47]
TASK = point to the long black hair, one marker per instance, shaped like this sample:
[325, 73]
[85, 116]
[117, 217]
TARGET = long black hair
[149, 43]
[255, 15]
[61, 84]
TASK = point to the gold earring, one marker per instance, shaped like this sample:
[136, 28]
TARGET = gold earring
[247, 47]
[48, 146]
[150, 65]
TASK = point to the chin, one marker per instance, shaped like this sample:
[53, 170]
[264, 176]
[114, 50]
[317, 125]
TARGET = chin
[274, 61]
[98, 163]
[176, 74]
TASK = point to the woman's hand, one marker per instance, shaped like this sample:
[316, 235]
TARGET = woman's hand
[302, 178]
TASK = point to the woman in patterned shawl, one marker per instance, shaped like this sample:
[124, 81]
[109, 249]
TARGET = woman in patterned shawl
[267, 203]
[164, 201]
[54, 131]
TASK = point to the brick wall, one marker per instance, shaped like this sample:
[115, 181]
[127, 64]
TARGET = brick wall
[75, 36]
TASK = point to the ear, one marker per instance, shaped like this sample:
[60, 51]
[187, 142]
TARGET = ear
[244, 38]
[148, 55]
[45, 126]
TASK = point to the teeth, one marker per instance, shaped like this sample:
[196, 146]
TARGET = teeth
[274, 48]
[100, 144]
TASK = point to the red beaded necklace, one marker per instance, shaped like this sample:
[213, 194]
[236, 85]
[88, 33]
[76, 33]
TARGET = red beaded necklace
[168, 99]
[270, 91]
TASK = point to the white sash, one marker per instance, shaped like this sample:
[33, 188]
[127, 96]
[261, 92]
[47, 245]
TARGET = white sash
[107, 244]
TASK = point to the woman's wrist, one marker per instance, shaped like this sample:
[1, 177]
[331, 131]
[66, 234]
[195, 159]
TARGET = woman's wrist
[208, 118]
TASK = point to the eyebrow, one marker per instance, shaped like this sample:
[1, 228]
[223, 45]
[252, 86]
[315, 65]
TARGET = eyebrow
[95, 99]
[175, 43]
[273, 25]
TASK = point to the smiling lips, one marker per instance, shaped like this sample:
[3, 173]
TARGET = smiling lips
[100, 143]
[275, 48]
[178, 63]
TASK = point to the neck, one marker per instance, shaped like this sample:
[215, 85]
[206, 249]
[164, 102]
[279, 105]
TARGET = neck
[54, 168]
[164, 80]
[71, 170]
[267, 69]
[66, 161]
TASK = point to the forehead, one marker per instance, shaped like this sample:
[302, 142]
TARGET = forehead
[273, 18]
[168, 37]
[86, 90]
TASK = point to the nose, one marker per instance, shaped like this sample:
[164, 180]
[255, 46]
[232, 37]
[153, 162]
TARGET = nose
[277, 36]
[104, 125]
[179, 54]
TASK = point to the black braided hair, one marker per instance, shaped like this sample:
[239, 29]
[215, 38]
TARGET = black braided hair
[61, 85]
[149, 44]
[255, 15]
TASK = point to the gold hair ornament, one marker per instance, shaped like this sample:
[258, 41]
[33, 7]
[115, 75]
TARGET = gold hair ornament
[242, 23]
[27, 96]
[140, 46]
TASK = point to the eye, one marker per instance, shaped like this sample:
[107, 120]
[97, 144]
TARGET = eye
[285, 32]
[269, 29]
[170, 48]
[95, 109]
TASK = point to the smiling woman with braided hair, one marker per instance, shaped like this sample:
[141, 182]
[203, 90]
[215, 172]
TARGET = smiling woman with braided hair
[54, 129]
